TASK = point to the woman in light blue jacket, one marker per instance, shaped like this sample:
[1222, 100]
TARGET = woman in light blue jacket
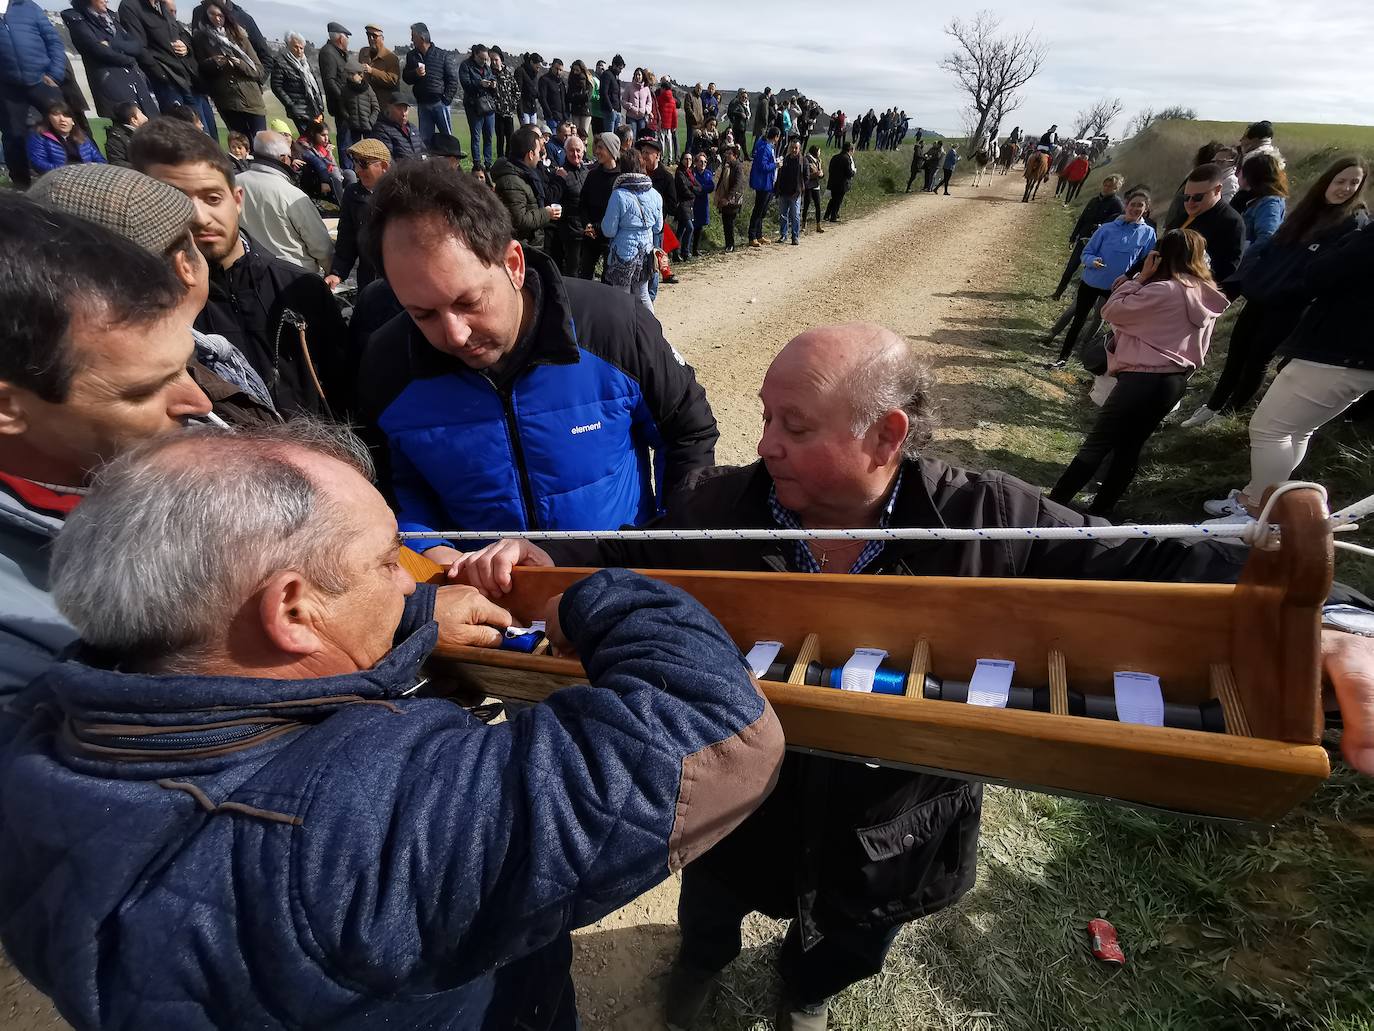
[1111, 252]
[633, 220]
[1264, 177]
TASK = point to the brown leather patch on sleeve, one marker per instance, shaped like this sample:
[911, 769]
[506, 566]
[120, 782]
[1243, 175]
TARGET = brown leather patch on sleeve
[722, 784]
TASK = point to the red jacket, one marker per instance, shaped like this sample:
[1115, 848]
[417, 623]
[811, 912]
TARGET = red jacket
[1077, 170]
[666, 102]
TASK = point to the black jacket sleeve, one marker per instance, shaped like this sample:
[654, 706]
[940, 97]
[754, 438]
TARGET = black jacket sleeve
[1224, 248]
[683, 422]
[1341, 267]
[452, 80]
[346, 241]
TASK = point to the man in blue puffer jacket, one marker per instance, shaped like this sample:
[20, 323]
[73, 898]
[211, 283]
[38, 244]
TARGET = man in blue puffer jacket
[506, 397]
[763, 171]
[32, 66]
[229, 810]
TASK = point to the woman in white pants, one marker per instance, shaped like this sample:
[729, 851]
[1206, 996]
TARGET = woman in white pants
[1330, 366]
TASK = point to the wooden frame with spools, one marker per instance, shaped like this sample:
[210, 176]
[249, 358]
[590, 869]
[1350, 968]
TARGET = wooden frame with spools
[1253, 647]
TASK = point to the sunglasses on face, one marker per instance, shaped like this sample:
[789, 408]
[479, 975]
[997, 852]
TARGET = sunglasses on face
[1196, 198]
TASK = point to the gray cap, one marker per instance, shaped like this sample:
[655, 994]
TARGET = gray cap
[335, 29]
[611, 142]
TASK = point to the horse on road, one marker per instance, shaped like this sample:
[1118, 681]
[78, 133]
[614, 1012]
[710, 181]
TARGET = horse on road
[1037, 172]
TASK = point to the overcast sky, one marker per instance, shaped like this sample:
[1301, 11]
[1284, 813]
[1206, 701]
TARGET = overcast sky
[1287, 61]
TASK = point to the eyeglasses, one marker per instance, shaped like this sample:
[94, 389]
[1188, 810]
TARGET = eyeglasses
[1196, 198]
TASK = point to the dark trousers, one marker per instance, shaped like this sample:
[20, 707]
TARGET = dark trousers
[709, 915]
[505, 126]
[945, 173]
[15, 102]
[574, 257]
[759, 213]
[1136, 407]
[1071, 266]
[684, 229]
[929, 179]
[1073, 192]
[1257, 334]
[832, 210]
[1087, 297]
[811, 196]
[727, 224]
[344, 137]
[248, 124]
[168, 97]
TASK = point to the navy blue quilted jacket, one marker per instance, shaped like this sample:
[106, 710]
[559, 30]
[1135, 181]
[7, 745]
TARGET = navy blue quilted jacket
[603, 409]
[183, 852]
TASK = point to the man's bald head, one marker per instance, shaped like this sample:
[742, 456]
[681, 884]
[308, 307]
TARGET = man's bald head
[866, 366]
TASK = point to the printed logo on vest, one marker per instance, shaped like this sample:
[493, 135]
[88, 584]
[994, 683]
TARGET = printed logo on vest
[587, 428]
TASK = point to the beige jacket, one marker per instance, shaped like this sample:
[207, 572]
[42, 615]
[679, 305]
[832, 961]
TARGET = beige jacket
[282, 220]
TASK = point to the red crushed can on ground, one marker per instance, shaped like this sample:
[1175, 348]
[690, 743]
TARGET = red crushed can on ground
[1104, 944]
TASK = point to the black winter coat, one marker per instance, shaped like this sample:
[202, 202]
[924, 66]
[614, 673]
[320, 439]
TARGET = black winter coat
[117, 144]
[553, 94]
[333, 61]
[111, 53]
[1335, 328]
[248, 305]
[596, 196]
[790, 179]
[360, 107]
[665, 183]
[686, 187]
[528, 81]
[403, 142]
[838, 842]
[1224, 230]
[1098, 211]
[156, 30]
[572, 181]
[610, 91]
[442, 80]
[840, 172]
[290, 87]
[579, 95]
[352, 218]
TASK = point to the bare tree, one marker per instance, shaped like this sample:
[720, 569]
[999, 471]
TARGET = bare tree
[1093, 120]
[990, 66]
[1146, 118]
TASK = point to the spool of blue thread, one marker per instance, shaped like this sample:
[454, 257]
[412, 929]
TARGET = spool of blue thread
[885, 681]
[525, 642]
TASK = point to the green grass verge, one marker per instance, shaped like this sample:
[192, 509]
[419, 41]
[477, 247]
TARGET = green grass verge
[1223, 927]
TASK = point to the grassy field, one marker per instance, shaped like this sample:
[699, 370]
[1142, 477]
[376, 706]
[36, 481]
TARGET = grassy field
[1224, 927]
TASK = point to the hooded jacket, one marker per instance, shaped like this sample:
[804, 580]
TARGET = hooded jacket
[600, 410]
[515, 186]
[30, 47]
[763, 170]
[1120, 245]
[1163, 326]
[665, 100]
[334, 853]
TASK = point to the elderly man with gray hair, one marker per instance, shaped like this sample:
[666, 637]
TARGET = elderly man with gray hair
[276, 212]
[846, 852]
[262, 824]
[295, 84]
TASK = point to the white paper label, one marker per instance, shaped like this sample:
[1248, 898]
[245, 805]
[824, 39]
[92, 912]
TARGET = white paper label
[859, 670]
[1138, 699]
[761, 656]
[991, 683]
[535, 627]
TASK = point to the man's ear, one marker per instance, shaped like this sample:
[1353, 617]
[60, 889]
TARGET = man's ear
[514, 264]
[13, 418]
[889, 434]
[288, 609]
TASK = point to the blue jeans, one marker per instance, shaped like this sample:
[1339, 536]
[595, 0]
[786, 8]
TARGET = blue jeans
[344, 137]
[483, 126]
[639, 124]
[617, 120]
[434, 117]
[789, 215]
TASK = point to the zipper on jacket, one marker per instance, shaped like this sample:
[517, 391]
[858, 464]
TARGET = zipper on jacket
[513, 430]
[230, 735]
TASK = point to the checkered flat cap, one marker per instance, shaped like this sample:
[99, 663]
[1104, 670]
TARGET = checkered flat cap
[137, 207]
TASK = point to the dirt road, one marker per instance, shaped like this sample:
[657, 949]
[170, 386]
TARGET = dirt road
[927, 266]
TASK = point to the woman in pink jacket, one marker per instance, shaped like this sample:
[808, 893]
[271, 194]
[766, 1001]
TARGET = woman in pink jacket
[1163, 326]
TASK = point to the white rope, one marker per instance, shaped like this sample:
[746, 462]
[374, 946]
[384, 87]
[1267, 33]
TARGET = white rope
[1259, 533]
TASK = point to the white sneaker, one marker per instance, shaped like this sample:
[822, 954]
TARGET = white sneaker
[1201, 417]
[1229, 506]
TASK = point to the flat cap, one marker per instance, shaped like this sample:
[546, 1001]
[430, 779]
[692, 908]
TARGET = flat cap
[370, 150]
[374, 29]
[137, 207]
[335, 29]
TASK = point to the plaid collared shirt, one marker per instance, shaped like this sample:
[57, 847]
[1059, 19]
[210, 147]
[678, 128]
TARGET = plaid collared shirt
[802, 558]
